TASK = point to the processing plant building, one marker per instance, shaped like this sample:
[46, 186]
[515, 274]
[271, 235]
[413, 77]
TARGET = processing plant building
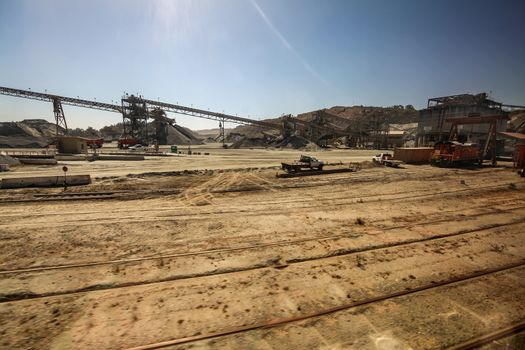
[433, 125]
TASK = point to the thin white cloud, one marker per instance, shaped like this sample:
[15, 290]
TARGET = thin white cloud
[289, 46]
[170, 20]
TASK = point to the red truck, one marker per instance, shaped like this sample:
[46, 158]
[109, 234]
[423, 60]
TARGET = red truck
[450, 153]
[127, 142]
[94, 143]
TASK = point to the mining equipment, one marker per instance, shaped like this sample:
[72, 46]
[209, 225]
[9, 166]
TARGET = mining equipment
[450, 153]
[135, 116]
[304, 163]
[489, 148]
[127, 142]
[95, 143]
[136, 112]
[144, 120]
[320, 127]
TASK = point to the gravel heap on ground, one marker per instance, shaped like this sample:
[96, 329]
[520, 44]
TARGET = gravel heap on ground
[177, 135]
[248, 142]
[296, 142]
[28, 133]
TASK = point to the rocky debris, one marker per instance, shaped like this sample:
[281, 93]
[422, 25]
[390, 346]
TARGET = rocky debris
[296, 142]
[249, 142]
[395, 114]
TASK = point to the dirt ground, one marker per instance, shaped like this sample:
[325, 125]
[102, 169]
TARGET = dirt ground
[218, 158]
[412, 258]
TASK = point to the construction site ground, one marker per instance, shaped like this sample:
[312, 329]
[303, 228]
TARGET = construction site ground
[218, 158]
[412, 258]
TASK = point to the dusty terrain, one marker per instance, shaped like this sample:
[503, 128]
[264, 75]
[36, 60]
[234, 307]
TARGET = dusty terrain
[218, 158]
[412, 258]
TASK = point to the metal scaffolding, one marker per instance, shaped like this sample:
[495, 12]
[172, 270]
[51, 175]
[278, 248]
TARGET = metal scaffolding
[136, 113]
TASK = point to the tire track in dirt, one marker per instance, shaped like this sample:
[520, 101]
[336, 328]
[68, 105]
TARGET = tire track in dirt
[308, 203]
[277, 257]
[378, 226]
[369, 319]
[282, 294]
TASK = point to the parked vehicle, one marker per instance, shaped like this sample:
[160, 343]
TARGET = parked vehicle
[304, 163]
[137, 147]
[94, 143]
[450, 153]
[127, 142]
[386, 160]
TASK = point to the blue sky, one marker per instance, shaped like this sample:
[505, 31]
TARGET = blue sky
[258, 58]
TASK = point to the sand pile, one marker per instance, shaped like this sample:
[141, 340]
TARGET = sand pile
[28, 133]
[249, 142]
[295, 142]
[177, 135]
[22, 142]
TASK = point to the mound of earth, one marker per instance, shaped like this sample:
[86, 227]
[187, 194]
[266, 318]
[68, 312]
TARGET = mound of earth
[178, 135]
[295, 142]
[249, 131]
[214, 135]
[22, 142]
[28, 133]
[249, 142]
[394, 114]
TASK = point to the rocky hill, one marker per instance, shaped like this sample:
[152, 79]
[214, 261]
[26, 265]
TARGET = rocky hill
[392, 115]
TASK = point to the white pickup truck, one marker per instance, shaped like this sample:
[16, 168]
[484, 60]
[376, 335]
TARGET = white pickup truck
[138, 147]
[386, 159]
